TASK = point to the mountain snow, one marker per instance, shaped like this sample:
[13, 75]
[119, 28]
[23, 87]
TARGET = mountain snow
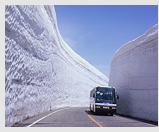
[42, 72]
[134, 73]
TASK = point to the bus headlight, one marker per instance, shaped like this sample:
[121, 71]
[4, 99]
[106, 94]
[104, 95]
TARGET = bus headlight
[97, 106]
[114, 107]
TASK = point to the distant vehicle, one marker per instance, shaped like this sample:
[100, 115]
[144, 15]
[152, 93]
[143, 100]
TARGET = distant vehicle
[103, 99]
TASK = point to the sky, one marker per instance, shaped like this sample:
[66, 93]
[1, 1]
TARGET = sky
[95, 32]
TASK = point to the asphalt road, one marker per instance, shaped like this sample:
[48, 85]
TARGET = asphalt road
[81, 117]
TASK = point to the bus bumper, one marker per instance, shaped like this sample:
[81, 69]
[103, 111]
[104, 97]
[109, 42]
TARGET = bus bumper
[105, 109]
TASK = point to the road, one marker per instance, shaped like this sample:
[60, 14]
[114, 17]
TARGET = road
[81, 117]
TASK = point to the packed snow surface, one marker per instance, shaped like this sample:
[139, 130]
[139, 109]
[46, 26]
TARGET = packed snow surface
[134, 73]
[41, 71]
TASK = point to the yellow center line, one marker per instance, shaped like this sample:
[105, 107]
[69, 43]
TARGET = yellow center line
[94, 120]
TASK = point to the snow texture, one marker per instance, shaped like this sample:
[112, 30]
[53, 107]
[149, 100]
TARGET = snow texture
[42, 72]
[134, 73]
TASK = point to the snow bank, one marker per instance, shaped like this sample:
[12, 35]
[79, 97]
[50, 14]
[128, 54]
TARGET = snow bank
[134, 73]
[41, 71]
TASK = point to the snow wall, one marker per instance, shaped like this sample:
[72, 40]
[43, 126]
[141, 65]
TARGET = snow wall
[134, 73]
[42, 72]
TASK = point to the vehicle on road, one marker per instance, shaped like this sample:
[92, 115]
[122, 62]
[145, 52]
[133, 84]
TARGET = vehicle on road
[103, 99]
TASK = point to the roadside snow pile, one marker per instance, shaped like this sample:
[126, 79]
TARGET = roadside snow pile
[134, 73]
[41, 71]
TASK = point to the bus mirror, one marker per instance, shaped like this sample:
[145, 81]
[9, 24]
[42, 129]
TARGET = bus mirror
[93, 95]
[117, 96]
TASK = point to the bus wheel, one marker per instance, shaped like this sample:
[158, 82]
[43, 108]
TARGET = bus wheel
[90, 108]
[94, 110]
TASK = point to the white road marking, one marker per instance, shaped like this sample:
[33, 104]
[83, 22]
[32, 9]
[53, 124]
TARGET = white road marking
[45, 117]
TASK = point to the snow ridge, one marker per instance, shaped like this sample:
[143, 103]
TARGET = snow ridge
[150, 35]
[134, 73]
[42, 72]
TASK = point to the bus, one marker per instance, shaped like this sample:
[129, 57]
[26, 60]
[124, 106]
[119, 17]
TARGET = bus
[103, 99]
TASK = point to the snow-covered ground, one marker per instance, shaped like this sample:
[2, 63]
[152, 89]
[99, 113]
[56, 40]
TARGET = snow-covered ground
[134, 73]
[41, 71]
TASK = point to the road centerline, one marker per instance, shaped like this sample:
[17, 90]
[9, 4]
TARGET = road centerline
[94, 120]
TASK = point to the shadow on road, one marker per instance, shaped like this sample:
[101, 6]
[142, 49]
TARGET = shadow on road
[138, 119]
[128, 117]
[97, 114]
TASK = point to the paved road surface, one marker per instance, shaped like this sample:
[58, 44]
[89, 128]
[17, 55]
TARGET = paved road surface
[81, 117]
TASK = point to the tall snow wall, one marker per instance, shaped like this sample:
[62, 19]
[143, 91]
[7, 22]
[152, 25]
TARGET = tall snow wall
[134, 73]
[41, 71]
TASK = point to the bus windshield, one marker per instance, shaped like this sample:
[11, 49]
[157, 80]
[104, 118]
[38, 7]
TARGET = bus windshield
[105, 94]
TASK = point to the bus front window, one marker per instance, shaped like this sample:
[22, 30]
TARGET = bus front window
[105, 94]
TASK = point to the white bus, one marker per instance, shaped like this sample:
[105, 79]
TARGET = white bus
[103, 99]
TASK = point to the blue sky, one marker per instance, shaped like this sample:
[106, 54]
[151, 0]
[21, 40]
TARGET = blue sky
[95, 32]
